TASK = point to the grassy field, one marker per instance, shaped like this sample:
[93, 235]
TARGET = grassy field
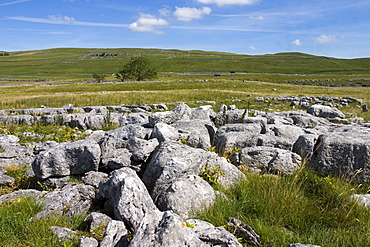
[65, 68]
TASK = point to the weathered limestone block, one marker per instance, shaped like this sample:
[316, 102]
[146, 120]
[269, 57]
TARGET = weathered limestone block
[66, 159]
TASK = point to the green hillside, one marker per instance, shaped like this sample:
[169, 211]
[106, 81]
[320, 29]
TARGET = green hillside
[77, 63]
[53, 78]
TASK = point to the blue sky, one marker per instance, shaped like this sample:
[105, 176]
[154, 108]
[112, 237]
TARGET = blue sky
[335, 28]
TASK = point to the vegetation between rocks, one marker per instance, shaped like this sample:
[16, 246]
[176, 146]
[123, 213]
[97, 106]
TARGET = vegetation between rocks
[303, 207]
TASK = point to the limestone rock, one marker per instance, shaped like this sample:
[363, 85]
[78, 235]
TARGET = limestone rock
[164, 229]
[67, 159]
[196, 133]
[215, 236]
[96, 219]
[63, 233]
[115, 235]
[6, 180]
[343, 152]
[304, 146]
[170, 161]
[184, 195]
[164, 132]
[94, 178]
[128, 195]
[269, 159]
[324, 111]
[13, 153]
[22, 194]
[71, 200]
[88, 242]
[362, 199]
[236, 135]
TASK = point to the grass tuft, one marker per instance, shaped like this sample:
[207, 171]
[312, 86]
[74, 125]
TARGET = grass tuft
[18, 231]
[302, 208]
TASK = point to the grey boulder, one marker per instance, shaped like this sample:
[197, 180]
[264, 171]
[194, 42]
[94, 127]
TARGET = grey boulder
[13, 153]
[172, 160]
[71, 200]
[88, 242]
[67, 159]
[94, 178]
[63, 233]
[5, 179]
[325, 111]
[128, 195]
[115, 235]
[184, 196]
[362, 199]
[164, 229]
[343, 152]
[196, 133]
[237, 136]
[164, 132]
[22, 194]
[268, 159]
[214, 236]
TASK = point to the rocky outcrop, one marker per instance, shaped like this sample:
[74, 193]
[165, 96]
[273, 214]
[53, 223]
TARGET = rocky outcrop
[155, 170]
[71, 200]
[128, 196]
[12, 153]
[5, 179]
[343, 152]
[173, 160]
[66, 159]
[268, 160]
[184, 195]
[325, 111]
[164, 229]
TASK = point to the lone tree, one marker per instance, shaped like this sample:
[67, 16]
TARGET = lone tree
[137, 69]
[98, 77]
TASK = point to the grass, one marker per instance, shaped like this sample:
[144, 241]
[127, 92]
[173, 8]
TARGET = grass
[42, 133]
[21, 180]
[18, 231]
[251, 75]
[303, 208]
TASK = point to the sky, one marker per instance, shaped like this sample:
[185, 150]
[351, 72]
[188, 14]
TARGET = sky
[333, 28]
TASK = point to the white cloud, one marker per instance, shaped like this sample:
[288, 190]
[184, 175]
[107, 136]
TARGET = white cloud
[147, 23]
[252, 48]
[259, 18]
[77, 23]
[297, 42]
[59, 18]
[229, 2]
[327, 39]
[188, 14]
[165, 11]
[14, 2]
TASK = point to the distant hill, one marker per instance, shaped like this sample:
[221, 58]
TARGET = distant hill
[80, 63]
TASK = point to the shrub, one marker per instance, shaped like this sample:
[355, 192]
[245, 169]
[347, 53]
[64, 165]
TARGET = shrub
[98, 77]
[138, 69]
